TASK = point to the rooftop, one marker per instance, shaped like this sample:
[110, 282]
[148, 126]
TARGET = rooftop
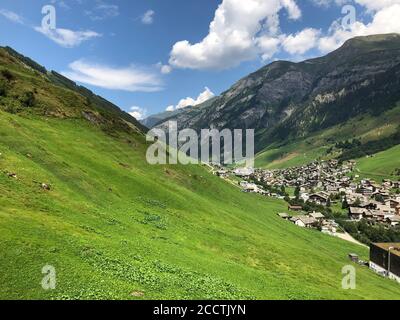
[385, 246]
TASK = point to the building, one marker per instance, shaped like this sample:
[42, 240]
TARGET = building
[244, 172]
[317, 215]
[356, 213]
[319, 198]
[284, 216]
[295, 208]
[385, 259]
[304, 221]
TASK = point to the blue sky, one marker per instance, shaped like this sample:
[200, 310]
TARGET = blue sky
[147, 55]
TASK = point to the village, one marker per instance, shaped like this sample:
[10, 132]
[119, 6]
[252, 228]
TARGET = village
[324, 184]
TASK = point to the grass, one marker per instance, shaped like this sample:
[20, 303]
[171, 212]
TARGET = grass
[167, 231]
[382, 165]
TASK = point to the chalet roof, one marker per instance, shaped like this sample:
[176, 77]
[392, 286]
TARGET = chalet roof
[306, 219]
[394, 247]
[316, 215]
[356, 210]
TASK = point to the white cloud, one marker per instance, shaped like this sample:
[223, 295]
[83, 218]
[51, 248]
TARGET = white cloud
[138, 113]
[375, 5]
[234, 34]
[12, 16]
[132, 78]
[385, 20]
[148, 17]
[164, 68]
[301, 42]
[67, 38]
[207, 94]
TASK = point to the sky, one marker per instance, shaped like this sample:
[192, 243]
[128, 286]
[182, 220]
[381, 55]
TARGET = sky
[149, 56]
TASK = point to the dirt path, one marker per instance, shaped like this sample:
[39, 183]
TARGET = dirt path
[348, 237]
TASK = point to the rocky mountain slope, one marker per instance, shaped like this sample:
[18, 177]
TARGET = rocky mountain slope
[284, 100]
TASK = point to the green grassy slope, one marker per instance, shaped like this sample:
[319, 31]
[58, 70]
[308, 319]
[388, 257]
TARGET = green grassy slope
[295, 153]
[112, 225]
[382, 166]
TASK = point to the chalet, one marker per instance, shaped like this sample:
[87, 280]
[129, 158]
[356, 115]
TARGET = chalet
[393, 220]
[316, 215]
[284, 216]
[393, 203]
[319, 198]
[304, 221]
[385, 259]
[295, 208]
[244, 172]
[356, 213]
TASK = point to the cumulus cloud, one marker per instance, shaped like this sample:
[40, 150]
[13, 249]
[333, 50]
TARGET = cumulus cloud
[132, 78]
[12, 16]
[138, 113]
[207, 94]
[67, 38]
[301, 42]
[244, 30]
[234, 34]
[385, 20]
[148, 17]
[164, 68]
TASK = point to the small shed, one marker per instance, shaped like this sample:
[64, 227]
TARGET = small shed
[354, 257]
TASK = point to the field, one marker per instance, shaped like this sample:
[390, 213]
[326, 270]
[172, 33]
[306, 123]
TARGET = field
[381, 166]
[115, 227]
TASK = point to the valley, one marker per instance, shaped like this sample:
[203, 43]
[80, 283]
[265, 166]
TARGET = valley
[77, 193]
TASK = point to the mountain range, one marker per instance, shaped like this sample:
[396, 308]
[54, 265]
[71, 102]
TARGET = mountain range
[287, 102]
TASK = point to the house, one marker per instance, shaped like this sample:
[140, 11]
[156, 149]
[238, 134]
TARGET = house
[284, 216]
[319, 198]
[393, 220]
[385, 259]
[243, 172]
[295, 208]
[316, 215]
[393, 203]
[356, 213]
[304, 221]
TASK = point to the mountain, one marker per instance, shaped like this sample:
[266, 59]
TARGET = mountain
[77, 194]
[94, 108]
[286, 101]
[189, 111]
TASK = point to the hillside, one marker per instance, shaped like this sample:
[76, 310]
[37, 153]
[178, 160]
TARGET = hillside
[287, 103]
[115, 227]
[383, 165]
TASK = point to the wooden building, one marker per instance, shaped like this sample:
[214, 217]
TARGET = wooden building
[385, 259]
